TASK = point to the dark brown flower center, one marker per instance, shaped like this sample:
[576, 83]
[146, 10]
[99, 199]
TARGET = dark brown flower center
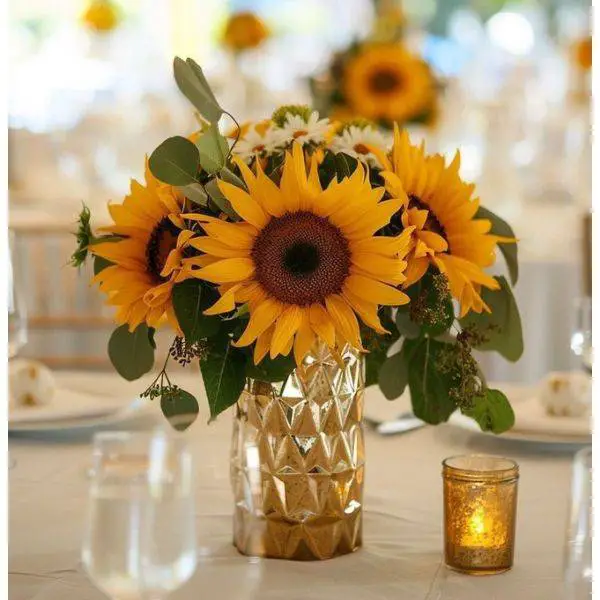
[301, 258]
[162, 240]
[385, 81]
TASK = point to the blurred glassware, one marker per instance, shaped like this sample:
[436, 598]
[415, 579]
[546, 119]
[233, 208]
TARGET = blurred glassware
[17, 313]
[581, 340]
[578, 548]
[139, 539]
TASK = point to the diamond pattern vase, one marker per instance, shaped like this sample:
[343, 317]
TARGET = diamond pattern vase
[297, 464]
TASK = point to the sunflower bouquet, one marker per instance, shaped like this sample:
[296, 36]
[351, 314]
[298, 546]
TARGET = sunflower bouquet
[257, 244]
[380, 81]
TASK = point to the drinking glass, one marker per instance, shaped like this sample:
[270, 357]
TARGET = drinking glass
[581, 340]
[578, 548]
[139, 541]
[17, 315]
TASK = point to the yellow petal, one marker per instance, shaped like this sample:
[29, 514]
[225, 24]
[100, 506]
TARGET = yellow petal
[285, 328]
[244, 205]
[417, 267]
[265, 314]
[213, 247]
[367, 311]
[263, 342]
[304, 339]
[321, 324]
[225, 304]
[375, 291]
[228, 270]
[344, 319]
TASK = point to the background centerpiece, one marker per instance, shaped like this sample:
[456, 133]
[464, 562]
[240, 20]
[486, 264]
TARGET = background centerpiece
[298, 263]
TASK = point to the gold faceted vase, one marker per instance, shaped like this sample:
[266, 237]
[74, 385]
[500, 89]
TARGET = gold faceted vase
[297, 464]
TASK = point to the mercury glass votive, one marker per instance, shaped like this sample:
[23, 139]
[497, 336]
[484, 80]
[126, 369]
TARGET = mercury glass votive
[480, 505]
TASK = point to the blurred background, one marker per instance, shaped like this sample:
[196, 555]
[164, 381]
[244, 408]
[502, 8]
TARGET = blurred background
[91, 92]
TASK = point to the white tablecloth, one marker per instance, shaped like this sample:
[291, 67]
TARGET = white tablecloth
[402, 553]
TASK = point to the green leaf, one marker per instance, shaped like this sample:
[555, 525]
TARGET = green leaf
[193, 85]
[429, 388]
[224, 374]
[344, 165]
[151, 333]
[377, 346]
[217, 196]
[393, 376]
[406, 326]
[131, 353]
[502, 327]
[271, 370]
[509, 251]
[213, 150]
[175, 161]
[101, 263]
[190, 298]
[230, 177]
[194, 192]
[492, 411]
[180, 409]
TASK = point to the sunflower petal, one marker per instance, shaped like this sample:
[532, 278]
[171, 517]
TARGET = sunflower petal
[228, 270]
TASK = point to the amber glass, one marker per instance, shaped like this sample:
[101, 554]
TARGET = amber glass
[480, 503]
[297, 464]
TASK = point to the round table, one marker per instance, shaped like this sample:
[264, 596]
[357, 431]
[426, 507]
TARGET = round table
[402, 553]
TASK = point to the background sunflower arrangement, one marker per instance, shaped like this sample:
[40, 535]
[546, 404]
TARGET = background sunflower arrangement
[256, 246]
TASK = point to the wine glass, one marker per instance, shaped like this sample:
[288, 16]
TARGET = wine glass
[578, 548]
[139, 541]
[581, 340]
[17, 314]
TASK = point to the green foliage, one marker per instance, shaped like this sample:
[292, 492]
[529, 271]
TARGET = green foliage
[279, 117]
[377, 346]
[509, 251]
[193, 85]
[190, 298]
[100, 264]
[213, 150]
[405, 325]
[195, 193]
[179, 407]
[429, 387]
[84, 237]
[272, 370]
[492, 411]
[217, 196]
[224, 374]
[175, 161]
[431, 304]
[501, 330]
[393, 375]
[131, 354]
[345, 165]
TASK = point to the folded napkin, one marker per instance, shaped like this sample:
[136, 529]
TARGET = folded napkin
[31, 384]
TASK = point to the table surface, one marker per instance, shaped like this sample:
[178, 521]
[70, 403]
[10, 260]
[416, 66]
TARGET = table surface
[402, 553]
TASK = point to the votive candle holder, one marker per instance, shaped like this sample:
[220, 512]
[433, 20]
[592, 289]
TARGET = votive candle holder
[480, 505]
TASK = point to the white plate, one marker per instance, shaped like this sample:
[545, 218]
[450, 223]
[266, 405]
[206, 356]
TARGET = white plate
[126, 411]
[536, 426]
[66, 404]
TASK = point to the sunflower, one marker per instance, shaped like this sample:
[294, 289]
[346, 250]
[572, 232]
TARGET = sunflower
[243, 31]
[101, 15]
[147, 260]
[384, 81]
[583, 53]
[304, 259]
[439, 210]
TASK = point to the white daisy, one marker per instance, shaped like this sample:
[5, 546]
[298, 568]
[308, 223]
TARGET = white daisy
[259, 139]
[354, 141]
[297, 129]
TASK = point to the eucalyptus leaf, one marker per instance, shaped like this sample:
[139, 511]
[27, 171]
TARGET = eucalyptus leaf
[217, 196]
[406, 326]
[213, 150]
[224, 374]
[192, 83]
[377, 346]
[510, 250]
[230, 177]
[175, 161]
[271, 370]
[180, 408]
[492, 411]
[501, 327]
[194, 192]
[190, 298]
[393, 376]
[131, 354]
[345, 165]
[429, 386]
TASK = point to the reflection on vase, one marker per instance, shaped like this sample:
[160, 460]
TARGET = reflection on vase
[297, 464]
